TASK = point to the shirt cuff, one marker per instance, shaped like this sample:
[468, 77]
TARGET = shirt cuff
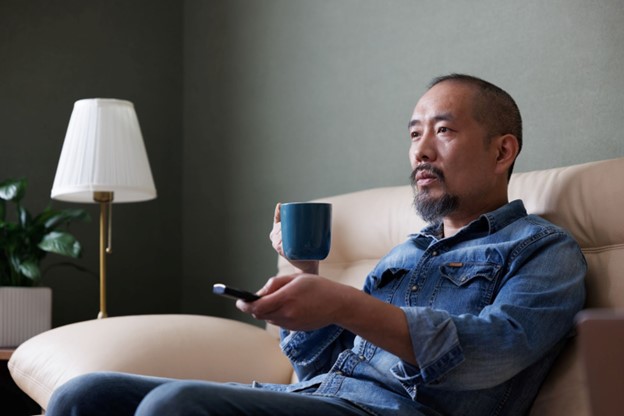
[435, 345]
[305, 347]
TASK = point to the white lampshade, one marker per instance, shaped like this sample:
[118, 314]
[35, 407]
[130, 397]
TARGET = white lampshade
[103, 152]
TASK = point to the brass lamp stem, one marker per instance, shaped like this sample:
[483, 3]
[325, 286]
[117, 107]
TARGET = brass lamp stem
[105, 199]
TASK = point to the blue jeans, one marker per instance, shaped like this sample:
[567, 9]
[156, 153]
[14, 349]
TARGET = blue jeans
[122, 394]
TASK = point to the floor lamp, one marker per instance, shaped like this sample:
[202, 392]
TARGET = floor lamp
[103, 160]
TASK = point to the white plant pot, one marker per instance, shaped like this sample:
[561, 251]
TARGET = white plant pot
[24, 313]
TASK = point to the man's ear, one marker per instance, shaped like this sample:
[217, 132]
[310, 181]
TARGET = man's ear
[507, 148]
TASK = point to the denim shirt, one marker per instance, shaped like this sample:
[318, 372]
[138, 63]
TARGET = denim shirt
[488, 310]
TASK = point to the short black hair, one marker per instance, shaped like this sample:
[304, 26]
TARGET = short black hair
[494, 107]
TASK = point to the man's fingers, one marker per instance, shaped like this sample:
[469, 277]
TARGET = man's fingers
[276, 214]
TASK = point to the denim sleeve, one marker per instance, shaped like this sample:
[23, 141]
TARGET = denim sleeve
[314, 352]
[534, 309]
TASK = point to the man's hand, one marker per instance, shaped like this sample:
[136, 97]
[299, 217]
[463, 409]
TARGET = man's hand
[304, 302]
[299, 302]
[305, 266]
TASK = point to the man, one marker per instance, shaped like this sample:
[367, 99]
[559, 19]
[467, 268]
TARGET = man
[464, 318]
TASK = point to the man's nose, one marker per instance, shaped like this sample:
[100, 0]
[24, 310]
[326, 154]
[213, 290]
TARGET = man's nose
[423, 149]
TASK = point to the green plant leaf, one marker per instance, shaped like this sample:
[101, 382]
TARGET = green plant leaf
[13, 189]
[30, 269]
[21, 273]
[60, 243]
[24, 216]
[53, 218]
[25, 241]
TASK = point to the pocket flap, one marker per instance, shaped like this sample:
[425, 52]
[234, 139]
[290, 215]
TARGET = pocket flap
[460, 273]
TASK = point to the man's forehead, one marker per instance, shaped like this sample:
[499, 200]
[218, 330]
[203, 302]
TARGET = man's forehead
[446, 101]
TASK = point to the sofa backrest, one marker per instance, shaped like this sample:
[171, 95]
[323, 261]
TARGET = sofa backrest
[585, 199]
[588, 201]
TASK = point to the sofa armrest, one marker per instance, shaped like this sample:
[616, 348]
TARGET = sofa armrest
[176, 346]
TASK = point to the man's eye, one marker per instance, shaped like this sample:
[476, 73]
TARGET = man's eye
[414, 134]
[443, 129]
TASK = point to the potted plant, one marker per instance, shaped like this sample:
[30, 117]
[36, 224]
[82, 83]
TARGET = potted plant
[24, 243]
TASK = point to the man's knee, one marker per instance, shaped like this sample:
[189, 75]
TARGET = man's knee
[104, 393]
[75, 397]
[192, 397]
[169, 399]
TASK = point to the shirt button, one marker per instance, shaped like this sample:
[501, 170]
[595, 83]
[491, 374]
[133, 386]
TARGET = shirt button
[339, 373]
[362, 358]
[434, 253]
[414, 288]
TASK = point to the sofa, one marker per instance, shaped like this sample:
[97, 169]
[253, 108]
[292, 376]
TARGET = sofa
[586, 199]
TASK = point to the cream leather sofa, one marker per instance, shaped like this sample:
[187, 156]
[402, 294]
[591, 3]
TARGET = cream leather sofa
[586, 199]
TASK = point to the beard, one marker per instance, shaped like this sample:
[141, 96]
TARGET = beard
[430, 208]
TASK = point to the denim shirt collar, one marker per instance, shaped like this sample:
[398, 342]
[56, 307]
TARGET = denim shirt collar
[489, 223]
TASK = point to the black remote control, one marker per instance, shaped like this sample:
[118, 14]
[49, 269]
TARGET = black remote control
[230, 292]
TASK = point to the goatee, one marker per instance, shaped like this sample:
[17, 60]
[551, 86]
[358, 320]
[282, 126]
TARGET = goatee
[429, 208]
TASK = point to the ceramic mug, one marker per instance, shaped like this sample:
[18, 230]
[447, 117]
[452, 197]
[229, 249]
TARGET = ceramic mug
[306, 230]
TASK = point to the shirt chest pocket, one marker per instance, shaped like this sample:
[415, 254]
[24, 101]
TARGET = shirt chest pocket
[386, 283]
[466, 287]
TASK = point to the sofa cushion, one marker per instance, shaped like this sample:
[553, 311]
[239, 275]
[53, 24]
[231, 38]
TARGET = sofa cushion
[176, 346]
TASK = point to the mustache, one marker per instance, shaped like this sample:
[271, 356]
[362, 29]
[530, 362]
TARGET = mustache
[430, 169]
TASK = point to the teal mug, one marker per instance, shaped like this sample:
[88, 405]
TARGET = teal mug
[306, 230]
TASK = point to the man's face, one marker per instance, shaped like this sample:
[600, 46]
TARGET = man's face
[452, 165]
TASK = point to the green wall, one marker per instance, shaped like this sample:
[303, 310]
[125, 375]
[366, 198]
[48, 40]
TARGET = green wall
[54, 53]
[244, 103]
